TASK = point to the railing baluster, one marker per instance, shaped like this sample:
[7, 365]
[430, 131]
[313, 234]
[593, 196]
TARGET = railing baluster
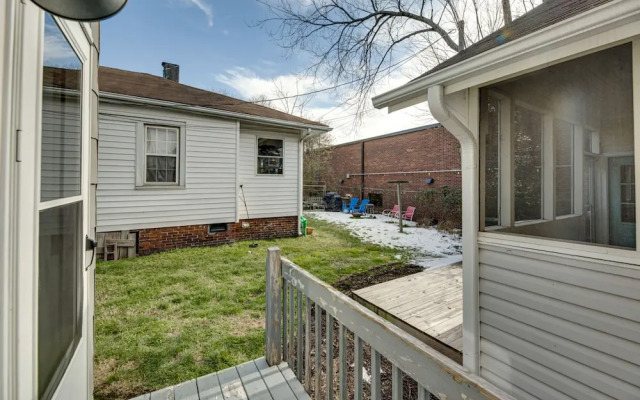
[329, 367]
[357, 380]
[396, 383]
[285, 319]
[307, 345]
[318, 343]
[299, 334]
[342, 353]
[376, 393]
[292, 347]
[423, 394]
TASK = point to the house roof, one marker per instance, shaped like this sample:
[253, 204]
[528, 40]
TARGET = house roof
[547, 14]
[136, 84]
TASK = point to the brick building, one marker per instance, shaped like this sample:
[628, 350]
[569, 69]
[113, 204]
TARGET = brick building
[362, 168]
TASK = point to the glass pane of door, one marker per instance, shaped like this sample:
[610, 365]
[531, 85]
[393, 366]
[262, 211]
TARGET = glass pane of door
[61, 236]
[61, 128]
[59, 292]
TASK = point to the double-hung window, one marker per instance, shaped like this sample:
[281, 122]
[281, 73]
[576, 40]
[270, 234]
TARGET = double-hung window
[270, 156]
[161, 155]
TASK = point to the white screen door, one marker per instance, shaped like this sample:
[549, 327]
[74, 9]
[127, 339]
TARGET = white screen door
[62, 361]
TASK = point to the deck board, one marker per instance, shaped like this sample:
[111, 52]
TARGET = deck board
[254, 380]
[429, 301]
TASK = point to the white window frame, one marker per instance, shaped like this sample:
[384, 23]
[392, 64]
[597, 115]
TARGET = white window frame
[506, 192]
[141, 155]
[546, 194]
[257, 155]
[575, 139]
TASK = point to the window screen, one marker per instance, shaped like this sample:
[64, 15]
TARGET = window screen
[557, 150]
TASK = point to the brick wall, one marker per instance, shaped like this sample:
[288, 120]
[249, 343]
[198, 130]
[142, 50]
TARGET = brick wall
[156, 240]
[429, 149]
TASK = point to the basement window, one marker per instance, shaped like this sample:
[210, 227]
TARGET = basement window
[270, 156]
[216, 228]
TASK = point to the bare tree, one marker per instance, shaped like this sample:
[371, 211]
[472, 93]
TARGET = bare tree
[284, 99]
[356, 43]
[316, 157]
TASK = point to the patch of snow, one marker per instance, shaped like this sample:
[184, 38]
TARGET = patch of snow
[365, 375]
[427, 245]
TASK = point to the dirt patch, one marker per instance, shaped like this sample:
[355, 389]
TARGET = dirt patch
[380, 274]
[106, 387]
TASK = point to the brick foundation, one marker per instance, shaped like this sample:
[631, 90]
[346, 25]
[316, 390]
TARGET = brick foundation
[156, 240]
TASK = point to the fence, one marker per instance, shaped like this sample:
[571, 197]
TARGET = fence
[296, 300]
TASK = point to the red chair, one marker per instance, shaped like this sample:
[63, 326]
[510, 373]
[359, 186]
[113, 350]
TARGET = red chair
[392, 213]
[409, 214]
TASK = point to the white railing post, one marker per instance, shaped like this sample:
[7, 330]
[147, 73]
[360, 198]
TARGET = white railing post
[273, 346]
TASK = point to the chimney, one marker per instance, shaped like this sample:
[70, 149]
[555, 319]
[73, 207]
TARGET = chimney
[171, 71]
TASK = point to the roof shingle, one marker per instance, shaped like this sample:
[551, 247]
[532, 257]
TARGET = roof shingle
[112, 80]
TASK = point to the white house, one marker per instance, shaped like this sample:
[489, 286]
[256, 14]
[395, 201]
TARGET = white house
[185, 167]
[546, 111]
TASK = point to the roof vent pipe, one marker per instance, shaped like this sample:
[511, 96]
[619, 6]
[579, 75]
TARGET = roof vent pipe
[171, 71]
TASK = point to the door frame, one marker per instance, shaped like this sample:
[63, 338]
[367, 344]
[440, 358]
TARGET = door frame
[26, 22]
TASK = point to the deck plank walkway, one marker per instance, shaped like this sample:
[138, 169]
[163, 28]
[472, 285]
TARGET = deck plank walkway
[429, 302]
[253, 380]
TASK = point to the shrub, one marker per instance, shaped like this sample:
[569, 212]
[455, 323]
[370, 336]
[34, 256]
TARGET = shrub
[442, 207]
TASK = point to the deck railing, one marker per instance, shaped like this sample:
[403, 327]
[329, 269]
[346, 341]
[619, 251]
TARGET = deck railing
[296, 300]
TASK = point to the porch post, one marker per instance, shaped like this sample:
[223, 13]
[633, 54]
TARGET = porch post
[273, 346]
[470, 216]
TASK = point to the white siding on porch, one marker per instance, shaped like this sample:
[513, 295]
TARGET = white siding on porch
[209, 195]
[268, 195]
[571, 323]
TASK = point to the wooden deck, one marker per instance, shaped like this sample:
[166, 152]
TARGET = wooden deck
[249, 381]
[428, 305]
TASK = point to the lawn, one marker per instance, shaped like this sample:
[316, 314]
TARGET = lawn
[167, 318]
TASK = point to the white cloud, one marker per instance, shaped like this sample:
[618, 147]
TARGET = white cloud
[327, 106]
[205, 8]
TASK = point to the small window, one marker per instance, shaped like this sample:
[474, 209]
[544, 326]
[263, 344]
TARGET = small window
[270, 156]
[161, 155]
[215, 228]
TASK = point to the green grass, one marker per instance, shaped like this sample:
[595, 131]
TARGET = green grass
[167, 318]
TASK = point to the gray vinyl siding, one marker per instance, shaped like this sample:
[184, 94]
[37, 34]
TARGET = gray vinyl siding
[559, 327]
[268, 195]
[209, 193]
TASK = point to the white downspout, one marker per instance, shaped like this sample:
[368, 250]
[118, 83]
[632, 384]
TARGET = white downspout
[470, 216]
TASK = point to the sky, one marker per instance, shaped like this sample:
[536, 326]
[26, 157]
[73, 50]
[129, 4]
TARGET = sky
[219, 47]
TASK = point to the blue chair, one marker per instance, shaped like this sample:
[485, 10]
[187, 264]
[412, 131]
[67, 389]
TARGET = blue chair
[352, 204]
[363, 206]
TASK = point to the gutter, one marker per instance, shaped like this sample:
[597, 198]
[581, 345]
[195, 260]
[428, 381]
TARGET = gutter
[470, 216]
[599, 19]
[125, 99]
